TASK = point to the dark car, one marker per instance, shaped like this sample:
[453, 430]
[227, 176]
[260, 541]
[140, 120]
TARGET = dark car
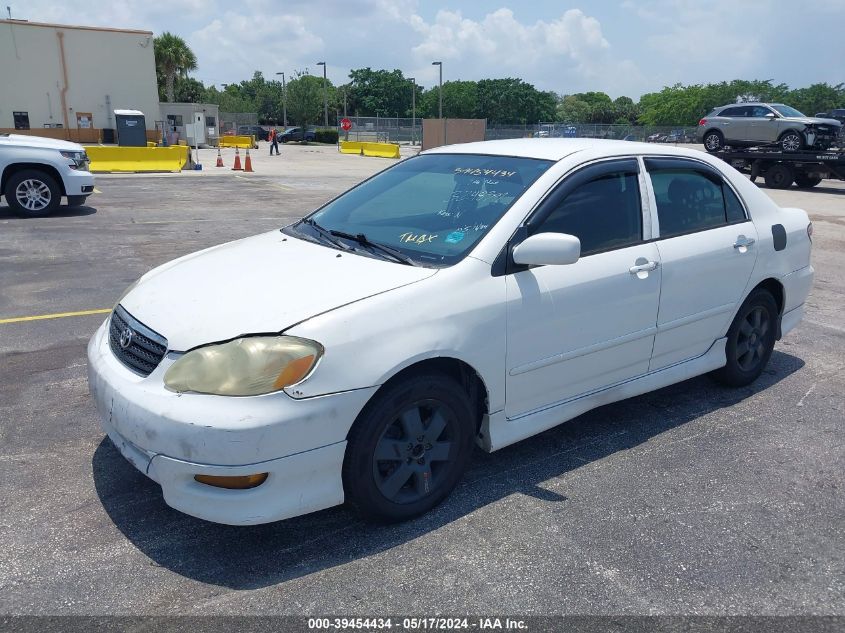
[679, 136]
[297, 134]
[838, 114]
[257, 131]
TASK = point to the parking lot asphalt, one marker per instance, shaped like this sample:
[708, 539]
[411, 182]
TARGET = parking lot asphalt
[695, 499]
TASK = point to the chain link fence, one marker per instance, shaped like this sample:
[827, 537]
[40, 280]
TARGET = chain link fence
[229, 121]
[409, 131]
[653, 133]
[406, 131]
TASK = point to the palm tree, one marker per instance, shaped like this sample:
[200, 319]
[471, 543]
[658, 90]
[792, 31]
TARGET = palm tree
[173, 56]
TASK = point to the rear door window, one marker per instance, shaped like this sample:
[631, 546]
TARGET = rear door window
[691, 198]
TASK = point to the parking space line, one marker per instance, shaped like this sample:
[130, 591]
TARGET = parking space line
[217, 220]
[57, 315]
[272, 184]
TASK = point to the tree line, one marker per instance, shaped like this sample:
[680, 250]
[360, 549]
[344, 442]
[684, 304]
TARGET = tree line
[506, 101]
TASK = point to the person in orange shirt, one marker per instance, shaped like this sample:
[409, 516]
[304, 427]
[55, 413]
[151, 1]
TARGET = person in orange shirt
[274, 143]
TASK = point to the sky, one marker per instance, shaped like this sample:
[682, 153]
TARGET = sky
[621, 47]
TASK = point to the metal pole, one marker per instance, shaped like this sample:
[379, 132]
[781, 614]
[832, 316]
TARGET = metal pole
[440, 113]
[413, 109]
[346, 132]
[284, 101]
[440, 64]
[325, 97]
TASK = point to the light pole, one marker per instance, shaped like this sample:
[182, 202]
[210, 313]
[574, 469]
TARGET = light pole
[413, 109]
[284, 101]
[325, 97]
[441, 87]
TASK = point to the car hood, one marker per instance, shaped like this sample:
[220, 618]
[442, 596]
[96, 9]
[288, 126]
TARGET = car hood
[812, 120]
[257, 285]
[21, 140]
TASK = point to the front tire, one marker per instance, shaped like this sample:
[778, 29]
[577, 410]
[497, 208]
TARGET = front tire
[713, 141]
[791, 141]
[751, 339]
[408, 448]
[32, 194]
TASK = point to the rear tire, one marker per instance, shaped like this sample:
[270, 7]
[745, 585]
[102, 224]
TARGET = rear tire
[408, 448]
[779, 176]
[32, 194]
[806, 182]
[713, 141]
[751, 339]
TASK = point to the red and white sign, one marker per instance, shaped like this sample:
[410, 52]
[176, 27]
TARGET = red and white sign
[345, 125]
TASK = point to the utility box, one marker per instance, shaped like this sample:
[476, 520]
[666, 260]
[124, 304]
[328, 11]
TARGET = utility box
[196, 123]
[131, 128]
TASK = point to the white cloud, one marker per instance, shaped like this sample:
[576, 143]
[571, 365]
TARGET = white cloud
[230, 48]
[562, 54]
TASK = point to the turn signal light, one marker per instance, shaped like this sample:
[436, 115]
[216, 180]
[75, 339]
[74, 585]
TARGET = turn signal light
[233, 483]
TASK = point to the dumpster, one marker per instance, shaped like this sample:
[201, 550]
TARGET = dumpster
[131, 128]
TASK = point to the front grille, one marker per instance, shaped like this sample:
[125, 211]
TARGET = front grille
[134, 344]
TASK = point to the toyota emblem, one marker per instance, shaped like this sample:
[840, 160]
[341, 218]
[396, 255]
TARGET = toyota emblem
[125, 338]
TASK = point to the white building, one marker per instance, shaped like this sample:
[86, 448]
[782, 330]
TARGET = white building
[65, 81]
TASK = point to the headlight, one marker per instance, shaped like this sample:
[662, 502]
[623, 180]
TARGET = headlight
[77, 159]
[244, 367]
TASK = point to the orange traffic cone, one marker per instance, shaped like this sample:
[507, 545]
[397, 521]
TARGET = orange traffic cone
[219, 159]
[248, 162]
[237, 166]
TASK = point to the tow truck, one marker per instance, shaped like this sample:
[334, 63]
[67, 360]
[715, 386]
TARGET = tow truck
[779, 169]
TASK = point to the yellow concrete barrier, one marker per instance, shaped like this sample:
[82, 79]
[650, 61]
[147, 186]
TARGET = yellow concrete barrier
[351, 147]
[111, 158]
[384, 150]
[244, 142]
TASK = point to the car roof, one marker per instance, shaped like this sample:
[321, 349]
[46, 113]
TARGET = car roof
[749, 103]
[557, 148]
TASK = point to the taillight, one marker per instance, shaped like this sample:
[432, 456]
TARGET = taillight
[703, 122]
[810, 231]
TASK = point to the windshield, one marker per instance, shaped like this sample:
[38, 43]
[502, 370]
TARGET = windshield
[432, 208]
[785, 110]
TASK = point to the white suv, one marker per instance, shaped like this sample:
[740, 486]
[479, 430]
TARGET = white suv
[36, 172]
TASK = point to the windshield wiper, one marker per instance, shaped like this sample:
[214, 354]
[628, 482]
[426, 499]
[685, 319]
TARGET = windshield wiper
[363, 241]
[324, 232]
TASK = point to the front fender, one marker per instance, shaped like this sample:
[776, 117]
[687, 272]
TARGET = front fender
[458, 313]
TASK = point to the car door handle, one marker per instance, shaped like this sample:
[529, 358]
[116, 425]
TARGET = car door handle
[743, 241]
[643, 268]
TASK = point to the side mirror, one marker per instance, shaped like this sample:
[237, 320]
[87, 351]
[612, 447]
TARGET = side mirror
[547, 249]
[771, 116]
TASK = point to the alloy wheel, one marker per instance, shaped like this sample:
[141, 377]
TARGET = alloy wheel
[751, 340]
[791, 143]
[712, 142]
[33, 195]
[415, 452]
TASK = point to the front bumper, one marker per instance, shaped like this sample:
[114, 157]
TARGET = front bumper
[78, 183]
[172, 437]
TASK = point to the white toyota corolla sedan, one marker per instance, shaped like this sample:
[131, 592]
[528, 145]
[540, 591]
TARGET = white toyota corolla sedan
[477, 293]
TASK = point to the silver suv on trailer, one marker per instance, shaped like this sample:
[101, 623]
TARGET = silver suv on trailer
[747, 124]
